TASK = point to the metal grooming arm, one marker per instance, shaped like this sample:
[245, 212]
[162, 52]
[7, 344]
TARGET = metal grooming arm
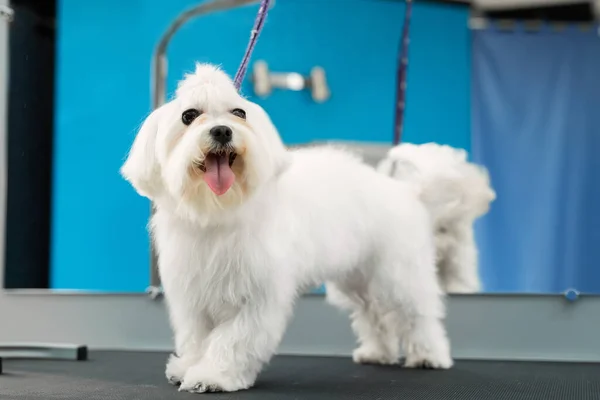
[159, 91]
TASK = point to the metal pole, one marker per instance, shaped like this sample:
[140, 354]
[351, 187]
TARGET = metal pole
[6, 16]
[159, 92]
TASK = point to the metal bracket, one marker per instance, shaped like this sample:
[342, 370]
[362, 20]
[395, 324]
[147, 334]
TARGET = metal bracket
[7, 13]
[155, 292]
[571, 295]
[44, 350]
[265, 81]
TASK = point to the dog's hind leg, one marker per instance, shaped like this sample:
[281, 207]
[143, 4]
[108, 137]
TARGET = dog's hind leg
[415, 297]
[422, 333]
[377, 338]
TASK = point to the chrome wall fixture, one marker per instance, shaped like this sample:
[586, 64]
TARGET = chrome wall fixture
[265, 81]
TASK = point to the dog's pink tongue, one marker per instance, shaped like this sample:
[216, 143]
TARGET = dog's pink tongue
[218, 176]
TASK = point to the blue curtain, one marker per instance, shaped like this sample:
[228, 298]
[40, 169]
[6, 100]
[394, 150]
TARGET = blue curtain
[536, 126]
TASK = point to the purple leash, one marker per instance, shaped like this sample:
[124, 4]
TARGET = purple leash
[401, 71]
[258, 25]
[401, 74]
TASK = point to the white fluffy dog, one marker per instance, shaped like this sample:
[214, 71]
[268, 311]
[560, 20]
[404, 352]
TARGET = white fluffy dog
[242, 226]
[456, 192]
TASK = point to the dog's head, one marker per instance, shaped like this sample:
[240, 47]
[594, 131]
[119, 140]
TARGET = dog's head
[206, 151]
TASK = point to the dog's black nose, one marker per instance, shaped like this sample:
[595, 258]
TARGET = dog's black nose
[221, 134]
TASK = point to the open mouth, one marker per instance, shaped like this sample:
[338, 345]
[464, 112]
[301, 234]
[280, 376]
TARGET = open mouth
[218, 174]
[230, 155]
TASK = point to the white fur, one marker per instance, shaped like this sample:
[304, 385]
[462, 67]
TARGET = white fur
[232, 266]
[456, 192]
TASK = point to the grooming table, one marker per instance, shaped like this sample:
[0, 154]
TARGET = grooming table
[139, 376]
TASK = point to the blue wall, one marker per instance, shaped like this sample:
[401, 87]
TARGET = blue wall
[99, 240]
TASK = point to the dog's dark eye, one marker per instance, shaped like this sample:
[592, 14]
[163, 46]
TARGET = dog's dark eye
[238, 112]
[190, 115]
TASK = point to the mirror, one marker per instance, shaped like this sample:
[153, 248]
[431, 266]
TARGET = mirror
[513, 96]
[535, 128]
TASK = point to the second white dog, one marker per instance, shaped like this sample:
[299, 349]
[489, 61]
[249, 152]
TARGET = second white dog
[243, 225]
[456, 192]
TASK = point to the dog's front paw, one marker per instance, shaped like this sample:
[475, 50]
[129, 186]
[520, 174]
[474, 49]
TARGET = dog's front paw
[176, 368]
[428, 361]
[200, 379]
[201, 387]
[373, 355]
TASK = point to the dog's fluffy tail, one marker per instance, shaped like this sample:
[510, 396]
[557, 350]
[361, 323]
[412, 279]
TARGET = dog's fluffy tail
[448, 184]
[467, 196]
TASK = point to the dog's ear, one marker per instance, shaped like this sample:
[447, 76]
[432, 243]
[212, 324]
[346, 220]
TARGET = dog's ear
[278, 158]
[141, 167]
